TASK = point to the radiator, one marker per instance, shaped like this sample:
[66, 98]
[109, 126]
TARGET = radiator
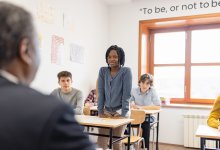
[191, 123]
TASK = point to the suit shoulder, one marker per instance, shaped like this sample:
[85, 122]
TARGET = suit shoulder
[36, 97]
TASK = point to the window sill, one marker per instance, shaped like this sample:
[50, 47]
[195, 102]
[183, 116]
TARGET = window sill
[187, 106]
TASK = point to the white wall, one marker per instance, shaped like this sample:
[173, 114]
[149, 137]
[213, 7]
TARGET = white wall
[124, 26]
[171, 124]
[86, 25]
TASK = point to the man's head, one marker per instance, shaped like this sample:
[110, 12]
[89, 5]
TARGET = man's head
[18, 43]
[65, 81]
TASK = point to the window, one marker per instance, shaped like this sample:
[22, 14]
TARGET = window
[183, 56]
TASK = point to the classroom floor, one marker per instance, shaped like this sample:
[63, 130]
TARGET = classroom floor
[172, 147]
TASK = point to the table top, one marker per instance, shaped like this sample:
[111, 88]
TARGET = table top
[103, 122]
[94, 108]
[151, 111]
[205, 131]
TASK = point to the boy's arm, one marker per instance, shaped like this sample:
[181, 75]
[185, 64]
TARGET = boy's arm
[79, 103]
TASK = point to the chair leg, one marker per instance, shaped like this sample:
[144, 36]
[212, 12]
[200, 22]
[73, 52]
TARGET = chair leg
[139, 145]
[143, 143]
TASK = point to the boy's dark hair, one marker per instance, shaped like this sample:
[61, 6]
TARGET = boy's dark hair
[120, 52]
[64, 74]
[145, 77]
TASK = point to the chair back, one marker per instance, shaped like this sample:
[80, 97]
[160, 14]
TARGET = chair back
[86, 111]
[138, 116]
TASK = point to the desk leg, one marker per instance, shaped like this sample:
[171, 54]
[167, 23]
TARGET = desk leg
[202, 144]
[110, 138]
[129, 136]
[158, 118]
[218, 144]
[148, 136]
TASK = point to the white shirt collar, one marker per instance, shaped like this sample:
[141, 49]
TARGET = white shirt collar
[9, 76]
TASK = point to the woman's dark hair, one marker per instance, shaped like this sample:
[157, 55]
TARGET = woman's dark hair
[120, 52]
[145, 77]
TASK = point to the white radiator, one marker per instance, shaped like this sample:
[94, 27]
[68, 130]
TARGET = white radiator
[191, 123]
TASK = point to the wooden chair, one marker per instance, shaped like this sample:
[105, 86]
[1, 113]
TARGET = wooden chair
[139, 117]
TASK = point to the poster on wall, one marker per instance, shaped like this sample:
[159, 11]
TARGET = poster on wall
[45, 12]
[57, 49]
[68, 22]
[77, 53]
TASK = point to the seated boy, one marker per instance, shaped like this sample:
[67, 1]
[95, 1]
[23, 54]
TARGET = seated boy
[67, 93]
[145, 97]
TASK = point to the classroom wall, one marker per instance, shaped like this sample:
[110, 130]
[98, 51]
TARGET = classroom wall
[124, 26]
[83, 23]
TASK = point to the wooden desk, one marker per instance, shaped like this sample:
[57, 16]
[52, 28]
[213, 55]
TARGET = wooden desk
[108, 123]
[207, 133]
[148, 114]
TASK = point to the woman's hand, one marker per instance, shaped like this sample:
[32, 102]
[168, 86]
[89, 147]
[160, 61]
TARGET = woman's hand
[118, 117]
[103, 116]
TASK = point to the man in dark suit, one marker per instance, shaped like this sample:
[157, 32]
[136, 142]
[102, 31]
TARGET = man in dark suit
[29, 119]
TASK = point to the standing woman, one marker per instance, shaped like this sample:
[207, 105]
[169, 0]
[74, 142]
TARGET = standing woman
[114, 86]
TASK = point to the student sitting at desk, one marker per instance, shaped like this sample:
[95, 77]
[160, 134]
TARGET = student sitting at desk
[67, 93]
[213, 120]
[92, 98]
[91, 101]
[145, 96]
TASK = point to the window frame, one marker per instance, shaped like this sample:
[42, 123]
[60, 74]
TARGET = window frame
[147, 29]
